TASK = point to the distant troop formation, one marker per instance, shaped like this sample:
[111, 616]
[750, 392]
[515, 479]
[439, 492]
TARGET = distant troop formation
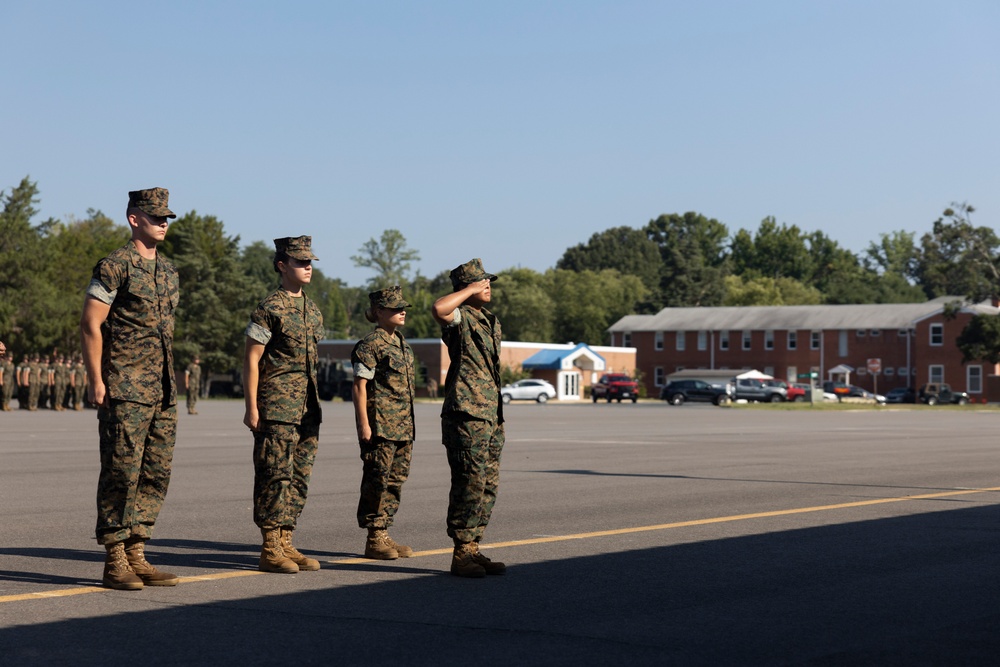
[126, 373]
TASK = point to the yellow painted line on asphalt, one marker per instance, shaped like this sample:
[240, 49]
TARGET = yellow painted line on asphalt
[41, 595]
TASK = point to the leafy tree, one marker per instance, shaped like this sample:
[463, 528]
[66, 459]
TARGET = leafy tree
[773, 252]
[28, 299]
[627, 250]
[217, 292]
[958, 258]
[980, 339]
[388, 257]
[741, 291]
[693, 250]
[421, 294]
[522, 301]
[586, 303]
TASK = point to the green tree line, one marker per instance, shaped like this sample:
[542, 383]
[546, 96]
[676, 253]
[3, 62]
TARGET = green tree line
[674, 260]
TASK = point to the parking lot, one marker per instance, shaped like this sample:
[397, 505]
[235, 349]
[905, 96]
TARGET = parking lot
[642, 534]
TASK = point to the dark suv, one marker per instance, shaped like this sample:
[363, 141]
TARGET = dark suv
[933, 393]
[615, 386]
[678, 391]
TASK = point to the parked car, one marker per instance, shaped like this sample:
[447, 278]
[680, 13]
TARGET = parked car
[679, 391]
[528, 390]
[752, 389]
[615, 386]
[802, 391]
[859, 392]
[901, 395]
[933, 393]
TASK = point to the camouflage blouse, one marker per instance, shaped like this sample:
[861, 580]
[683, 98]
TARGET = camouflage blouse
[472, 387]
[289, 329]
[138, 357]
[388, 366]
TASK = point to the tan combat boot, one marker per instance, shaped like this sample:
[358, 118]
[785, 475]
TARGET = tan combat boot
[272, 556]
[463, 563]
[401, 549]
[135, 552]
[304, 563]
[118, 573]
[491, 567]
[378, 545]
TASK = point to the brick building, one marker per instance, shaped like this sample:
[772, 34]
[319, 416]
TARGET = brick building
[914, 343]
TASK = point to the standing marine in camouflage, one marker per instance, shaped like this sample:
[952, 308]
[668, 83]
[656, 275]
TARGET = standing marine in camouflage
[472, 415]
[60, 376]
[127, 330]
[34, 375]
[9, 381]
[78, 378]
[383, 411]
[192, 384]
[282, 404]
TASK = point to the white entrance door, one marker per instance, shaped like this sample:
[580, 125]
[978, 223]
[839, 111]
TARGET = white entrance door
[569, 386]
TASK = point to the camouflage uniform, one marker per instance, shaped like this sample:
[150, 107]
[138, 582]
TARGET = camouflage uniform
[288, 404]
[193, 373]
[386, 361]
[60, 377]
[472, 415]
[79, 384]
[138, 426]
[34, 383]
[9, 383]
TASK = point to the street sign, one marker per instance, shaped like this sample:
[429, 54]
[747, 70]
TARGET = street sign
[875, 366]
[807, 376]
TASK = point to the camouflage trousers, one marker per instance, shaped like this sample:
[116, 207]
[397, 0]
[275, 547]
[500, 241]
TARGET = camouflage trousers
[58, 395]
[474, 448]
[137, 448]
[6, 394]
[192, 399]
[79, 394]
[386, 465]
[283, 457]
[34, 392]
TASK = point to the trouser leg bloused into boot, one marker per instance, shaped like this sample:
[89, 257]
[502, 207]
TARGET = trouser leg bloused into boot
[272, 556]
[136, 554]
[118, 573]
[304, 563]
[377, 545]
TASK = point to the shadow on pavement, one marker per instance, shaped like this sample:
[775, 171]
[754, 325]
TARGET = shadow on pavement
[913, 590]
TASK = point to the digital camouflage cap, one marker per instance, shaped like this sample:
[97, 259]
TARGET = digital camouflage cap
[390, 297]
[296, 247]
[152, 201]
[470, 272]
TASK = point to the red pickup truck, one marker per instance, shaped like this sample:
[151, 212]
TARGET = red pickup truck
[615, 386]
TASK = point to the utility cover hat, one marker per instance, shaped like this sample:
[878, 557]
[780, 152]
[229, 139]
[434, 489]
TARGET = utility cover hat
[152, 201]
[470, 272]
[390, 297]
[296, 247]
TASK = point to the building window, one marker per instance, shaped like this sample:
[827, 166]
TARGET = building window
[903, 371]
[681, 340]
[768, 340]
[702, 340]
[935, 373]
[889, 372]
[814, 340]
[723, 340]
[842, 344]
[793, 374]
[902, 333]
[769, 370]
[937, 336]
[974, 379]
[658, 376]
[747, 339]
[793, 340]
[658, 341]
[861, 333]
[678, 369]
[627, 339]
[875, 332]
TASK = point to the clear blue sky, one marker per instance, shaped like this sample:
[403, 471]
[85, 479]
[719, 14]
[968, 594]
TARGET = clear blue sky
[506, 130]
